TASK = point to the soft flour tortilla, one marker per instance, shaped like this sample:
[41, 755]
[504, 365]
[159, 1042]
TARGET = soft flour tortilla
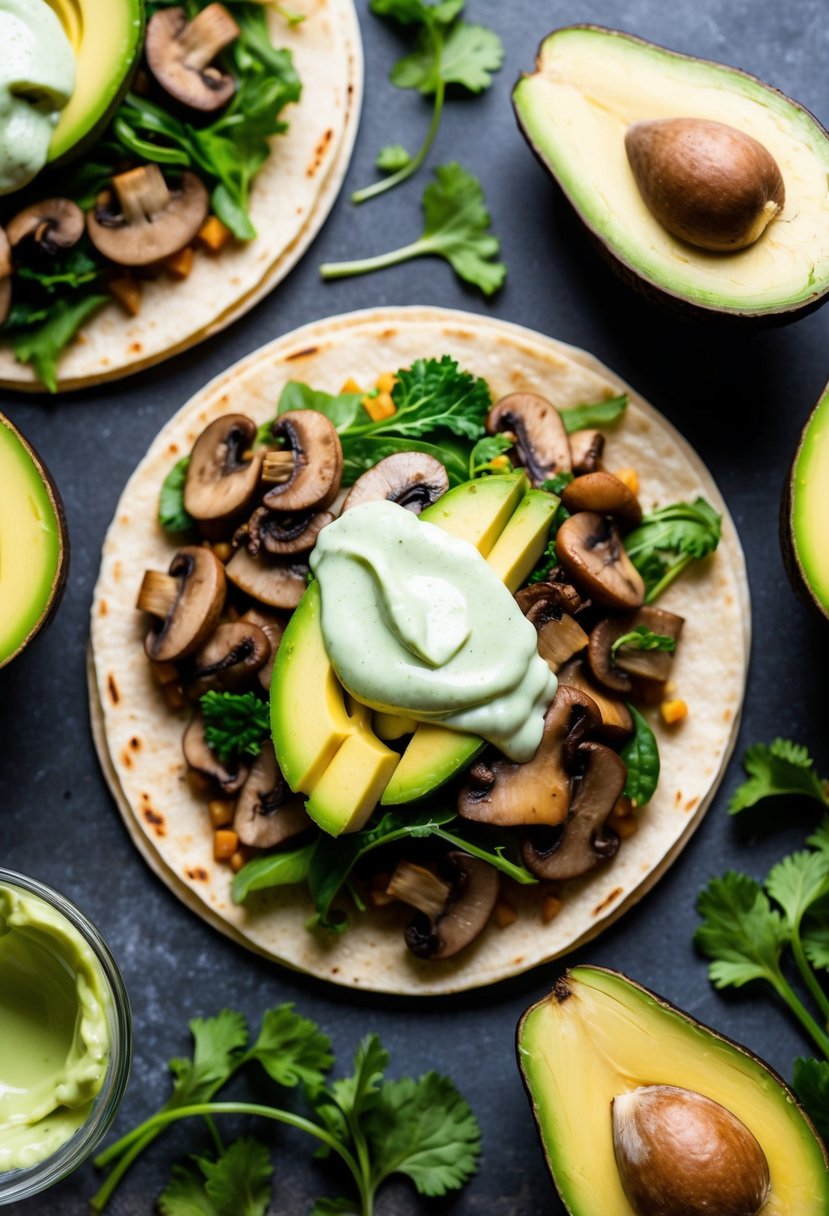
[290, 200]
[139, 740]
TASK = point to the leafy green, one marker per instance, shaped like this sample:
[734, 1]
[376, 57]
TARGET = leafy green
[42, 344]
[236, 1183]
[344, 410]
[72, 268]
[641, 755]
[184, 1195]
[596, 414]
[741, 931]
[434, 394]
[669, 539]
[362, 452]
[218, 1047]
[456, 227]
[448, 51]
[485, 452]
[292, 1049]
[235, 724]
[642, 638]
[780, 767]
[282, 869]
[172, 514]
[810, 1080]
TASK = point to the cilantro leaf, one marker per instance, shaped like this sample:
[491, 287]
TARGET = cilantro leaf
[642, 638]
[796, 883]
[239, 1182]
[810, 1081]
[641, 755]
[780, 767]
[456, 227]
[740, 932]
[235, 724]
[184, 1195]
[218, 1045]
[171, 511]
[816, 943]
[819, 839]
[292, 1049]
[595, 414]
[669, 539]
[426, 1130]
[392, 158]
[355, 1094]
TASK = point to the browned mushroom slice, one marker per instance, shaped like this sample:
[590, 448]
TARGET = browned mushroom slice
[232, 655]
[180, 55]
[507, 794]
[585, 840]
[414, 480]
[188, 601]
[230, 777]
[51, 224]
[268, 812]
[284, 532]
[5, 276]
[313, 473]
[560, 636]
[654, 666]
[586, 448]
[564, 595]
[143, 220]
[223, 474]
[273, 627]
[540, 438]
[616, 721]
[453, 906]
[604, 493]
[278, 584]
[592, 554]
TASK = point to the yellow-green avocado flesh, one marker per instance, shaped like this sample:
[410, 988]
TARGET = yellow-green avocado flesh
[598, 1035]
[806, 510]
[591, 83]
[107, 38]
[33, 543]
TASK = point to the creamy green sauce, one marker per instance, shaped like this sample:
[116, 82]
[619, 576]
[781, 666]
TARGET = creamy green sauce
[37, 78]
[415, 621]
[54, 1029]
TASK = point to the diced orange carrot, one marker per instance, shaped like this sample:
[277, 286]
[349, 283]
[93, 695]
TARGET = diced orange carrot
[213, 234]
[351, 386]
[630, 477]
[504, 914]
[178, 265]
[127, 292]
[220, 812]
[673, 711]
[379, 407]
[550, 908]
[225, 844]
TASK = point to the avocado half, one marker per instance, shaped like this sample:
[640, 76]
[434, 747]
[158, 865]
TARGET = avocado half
[107, 37]
[590, 84]
[34, 543]
[599, 1035]
[804, 517]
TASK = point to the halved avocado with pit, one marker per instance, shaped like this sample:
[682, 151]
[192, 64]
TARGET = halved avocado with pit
[804, 519]
[599, 1036]
[591, 84]
[34, 543]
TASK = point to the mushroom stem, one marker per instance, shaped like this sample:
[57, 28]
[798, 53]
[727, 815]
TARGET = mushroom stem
[141, 192]
[278, 467]
[419, 887]
[208, 33]
[158, 593]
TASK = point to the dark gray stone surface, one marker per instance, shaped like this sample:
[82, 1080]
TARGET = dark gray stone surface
[740, 397]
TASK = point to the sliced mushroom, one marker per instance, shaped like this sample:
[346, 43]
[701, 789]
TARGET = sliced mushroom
[537, 792]
[651, 665]
[585, 841]
[560, 636]
[414, 480]
[188, 601]
[273, 628]
[232, 655]
[143, 220]
[51, 224]
[616, 720]
[267, 812]
[278, 584]
[283, 532]
[5, 276]
[453, 906]
[605, 494]
[538, 597]
[230, 777]
[180, 55]
[540, 438]
[592, 554]
[316, 462]
[223, 473]
[586, 448]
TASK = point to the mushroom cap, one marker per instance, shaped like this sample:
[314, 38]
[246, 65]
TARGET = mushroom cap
[651, 665]
[318, 462]
[616, 720]
[196, 608]
[590, 550]
[604, 493]
[273, 628]
[179, 53]
[198, 755]
[586, 448]
[275, 583]
[267, 811]
[52, 223]
[413, 480]
[285, 532]
[540, 438]
[474, 891]
[233, 653]
[5, 276]
[143, 220]
[220, 482]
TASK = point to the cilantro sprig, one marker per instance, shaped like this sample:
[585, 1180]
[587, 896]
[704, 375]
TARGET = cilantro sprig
[669, 539]
[456, 227]
[779, 767]
[642, 638]
[448, 51]
[423, 1129]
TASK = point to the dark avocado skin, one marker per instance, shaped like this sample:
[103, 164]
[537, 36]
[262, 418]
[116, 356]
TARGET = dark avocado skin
[709, 314]
[788, 550]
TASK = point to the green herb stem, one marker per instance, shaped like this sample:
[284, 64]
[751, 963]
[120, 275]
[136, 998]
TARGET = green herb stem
[673, 572]
[342, 270]
[136, 1146]
[809, 978]
[785, 991]
[388, 183]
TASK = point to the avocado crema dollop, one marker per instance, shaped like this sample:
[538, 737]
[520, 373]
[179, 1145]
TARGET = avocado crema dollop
[415, 622]
[37, 78]
[54, 1029]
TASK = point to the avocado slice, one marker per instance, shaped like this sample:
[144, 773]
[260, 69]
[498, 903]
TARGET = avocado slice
[107, 38]
[600, 1035]
[34, 543]
[805, 513]
[591, 83]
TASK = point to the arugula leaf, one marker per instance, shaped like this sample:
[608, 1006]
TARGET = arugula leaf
[456, 227]
[641, 755]
[780, 767]
[595, 414]
[425, 1130]
[239, 1182]
[235, 724]
[282, 869]
[669, 539]
[488, 456]
[642, 638]
[171, 511]
[218, 1046]
[740, 932]
[392, 158]
[810, 1080]
[344, 410]
[42, 345]
[292, 1049]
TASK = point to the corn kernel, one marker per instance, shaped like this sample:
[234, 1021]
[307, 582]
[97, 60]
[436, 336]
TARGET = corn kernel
[213, 234]
[498, 462]
[504, 914]
[550, 908]
[622, 808]
[223, 550]
[624, 828]
[220, 812]
[351, 386]
[673, 711]
[379, 407]
[178, 265]
[225, 844]
[386, 382]
[237, 860]
[630, 478]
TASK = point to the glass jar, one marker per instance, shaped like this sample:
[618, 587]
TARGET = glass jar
[20, 1183]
